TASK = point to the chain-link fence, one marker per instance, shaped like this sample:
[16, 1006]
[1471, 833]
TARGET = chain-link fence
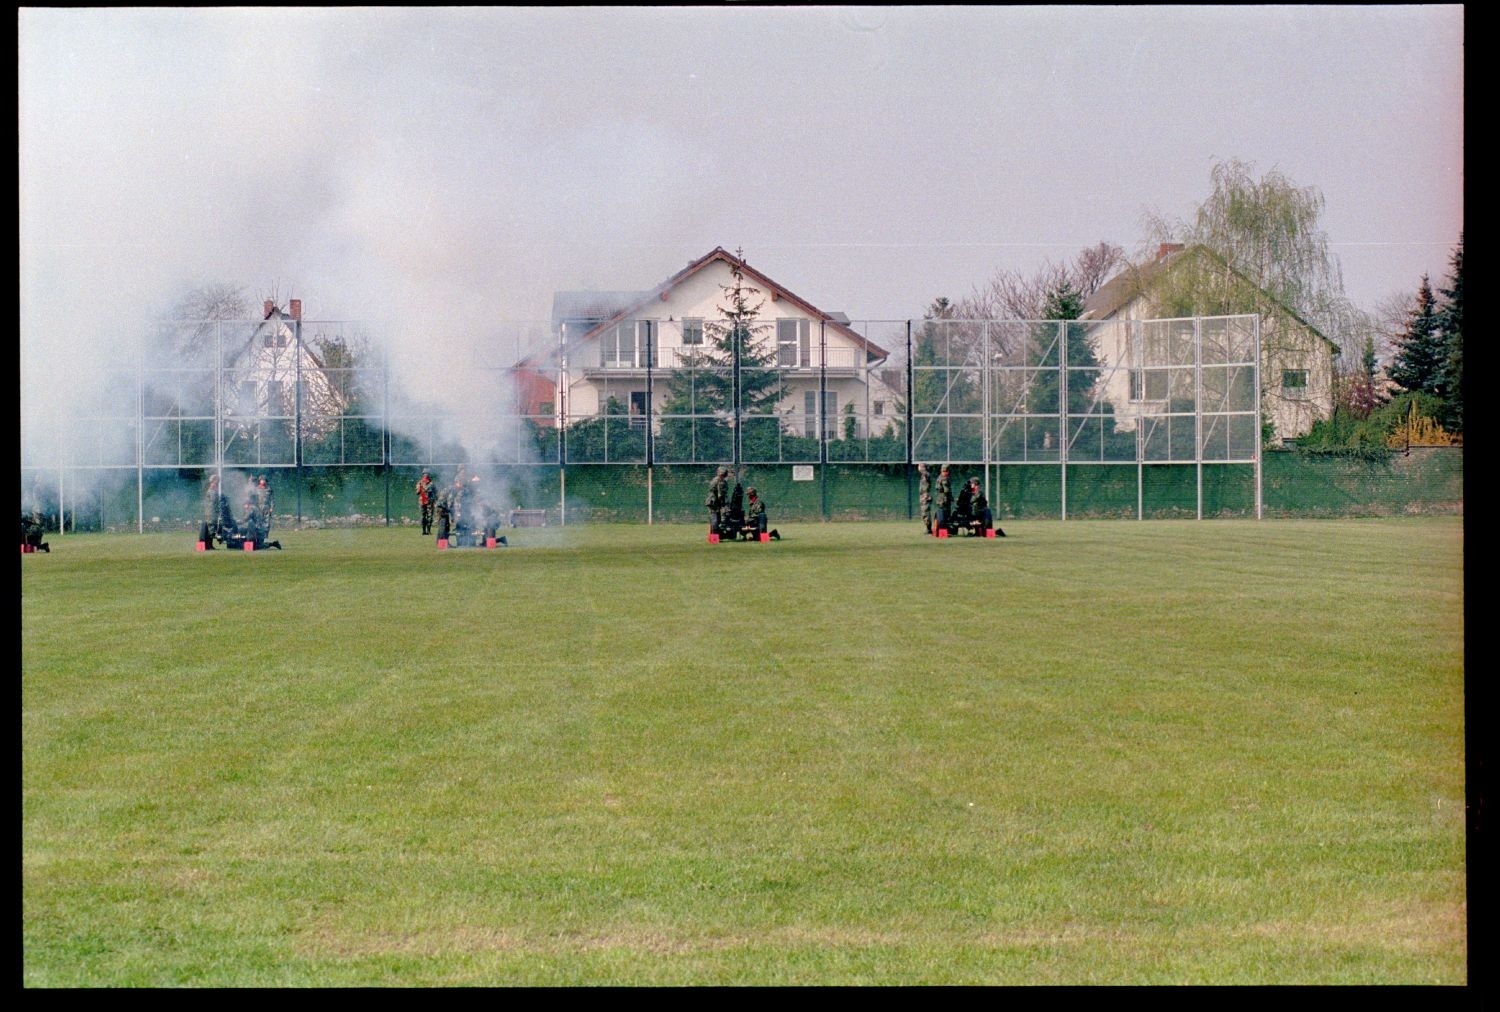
[628, 419]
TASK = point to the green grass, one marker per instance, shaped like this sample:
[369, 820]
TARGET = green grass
[1093, 752]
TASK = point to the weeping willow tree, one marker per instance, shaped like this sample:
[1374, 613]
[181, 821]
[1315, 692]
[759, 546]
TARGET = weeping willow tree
[1264, 236]
[1256, 245]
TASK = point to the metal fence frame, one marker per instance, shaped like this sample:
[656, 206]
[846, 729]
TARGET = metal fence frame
[986, 361]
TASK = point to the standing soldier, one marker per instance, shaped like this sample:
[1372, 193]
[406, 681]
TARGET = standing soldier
[266, 501]
[944, 499]
[458, 502]
[443, 503]
[924, 496]
[425, 499]
[210, 514]
[718, 493]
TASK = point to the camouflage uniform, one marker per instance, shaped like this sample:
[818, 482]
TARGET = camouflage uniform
[755, 512]
[755, 515]
[211, 505]
[266, 502]
[444, 506]
[32, 529]
[718, 496]
[979, 506]
[252, 525]
[924, 496]
[944, 499]
[426, 499]
[458, 504]
[218, 522]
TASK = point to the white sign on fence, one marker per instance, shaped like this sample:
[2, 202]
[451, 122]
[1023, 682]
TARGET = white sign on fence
[802, 472]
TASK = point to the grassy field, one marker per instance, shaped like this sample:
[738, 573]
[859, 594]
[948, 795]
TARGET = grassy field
[1093, 752]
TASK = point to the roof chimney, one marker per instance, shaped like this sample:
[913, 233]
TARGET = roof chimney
[269, 307]
[1166, 249]
[296, 309]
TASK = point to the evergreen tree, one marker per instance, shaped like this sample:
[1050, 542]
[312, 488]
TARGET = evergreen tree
[942, 386]
[1419, 351]
[1364, 391]
[1450, 323]
[705, 387]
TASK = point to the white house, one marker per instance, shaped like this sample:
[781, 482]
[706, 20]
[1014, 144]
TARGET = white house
[606, 336]
[1296, 359]
[260, 377]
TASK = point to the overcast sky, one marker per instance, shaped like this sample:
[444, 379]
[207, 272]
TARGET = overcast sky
[384, 163]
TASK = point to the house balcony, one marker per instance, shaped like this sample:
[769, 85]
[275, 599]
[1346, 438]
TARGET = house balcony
[842, 362]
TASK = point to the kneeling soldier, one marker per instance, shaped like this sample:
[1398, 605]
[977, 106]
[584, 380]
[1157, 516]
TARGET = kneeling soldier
[755, 515]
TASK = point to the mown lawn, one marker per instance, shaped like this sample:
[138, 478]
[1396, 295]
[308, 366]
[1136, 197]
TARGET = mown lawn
[1093, 752]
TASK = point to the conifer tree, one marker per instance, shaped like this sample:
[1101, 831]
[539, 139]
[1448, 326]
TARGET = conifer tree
[1419, 354]
[1450, 323]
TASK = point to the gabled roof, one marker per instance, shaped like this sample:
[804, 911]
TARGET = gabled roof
[836, 321]
[275, 319]
[1135, 280]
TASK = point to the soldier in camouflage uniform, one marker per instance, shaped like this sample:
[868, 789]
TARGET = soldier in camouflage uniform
[209, 530]
[218, 522]
[718, 498]
[265, 502]
[458, 503]
[443, 503]
[755, 515]
[427, 500]
[979, 506]
[924, 496]
[32, 529]
[944, 498]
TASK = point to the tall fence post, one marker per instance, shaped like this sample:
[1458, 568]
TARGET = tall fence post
[1062, 411]
[1134, 354]
[297, 421]
[385, 427]
[650, 414]
[910, 435]
[823, 416]
[1259, 424]
[1198, 408]
[140, 441]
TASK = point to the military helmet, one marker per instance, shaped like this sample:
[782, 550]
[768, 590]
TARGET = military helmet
[751, 490]
[945, 468]
[973, 481]
[723, 471]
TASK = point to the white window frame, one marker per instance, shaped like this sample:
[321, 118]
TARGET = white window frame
[798, 342]
[1143, 379]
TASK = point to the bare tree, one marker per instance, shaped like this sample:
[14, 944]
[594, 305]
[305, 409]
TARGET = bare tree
[1013, 295]
[192, 323]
